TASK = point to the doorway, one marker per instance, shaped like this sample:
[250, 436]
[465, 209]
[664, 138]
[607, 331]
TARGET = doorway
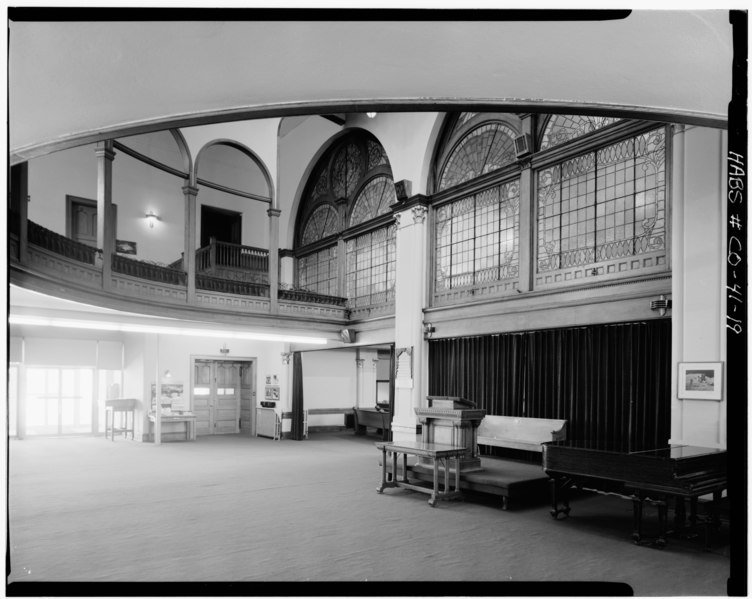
[223, 225]
[81, 219]
[223, 394]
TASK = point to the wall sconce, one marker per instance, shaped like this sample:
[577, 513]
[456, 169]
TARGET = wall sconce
[428, 329]
[286, 357]
[151, 219]
[371, 115]
[661, 304]
[224, 349]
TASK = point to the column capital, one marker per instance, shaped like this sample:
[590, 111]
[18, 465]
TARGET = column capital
[105, 149]
[274, 212]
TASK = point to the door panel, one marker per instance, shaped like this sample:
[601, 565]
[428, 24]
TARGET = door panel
[217, 393]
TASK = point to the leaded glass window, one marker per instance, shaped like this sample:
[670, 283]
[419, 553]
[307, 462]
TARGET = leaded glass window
[604, 204]
[350, 185]
[565, 127]
[477, 238]
[347, 169]
[371, 267]
[373, 200]
[317, 272]
[323, 222]
[485, 149]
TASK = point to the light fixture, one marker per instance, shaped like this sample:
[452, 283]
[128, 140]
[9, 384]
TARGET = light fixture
[428, 329]
[662, 305]
[224, 349]
[371, 115]
[151, 219]
[125, 327]
[167, 374]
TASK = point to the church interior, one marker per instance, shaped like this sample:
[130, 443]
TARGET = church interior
[258, 266]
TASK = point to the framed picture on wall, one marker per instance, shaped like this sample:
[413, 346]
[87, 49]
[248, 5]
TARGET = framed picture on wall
[700, 380]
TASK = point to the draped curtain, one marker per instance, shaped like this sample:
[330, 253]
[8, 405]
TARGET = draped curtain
[610, 382]
[296, 431]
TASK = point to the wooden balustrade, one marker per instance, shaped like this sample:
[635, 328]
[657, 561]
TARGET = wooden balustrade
[147, 270]
[301, 295]
[242, 270]
[208, 283]
[60, 244]
[230, 255]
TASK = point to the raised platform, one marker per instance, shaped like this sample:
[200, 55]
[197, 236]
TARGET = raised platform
[515, 481]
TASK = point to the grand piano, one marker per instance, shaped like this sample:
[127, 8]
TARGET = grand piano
[674, 473]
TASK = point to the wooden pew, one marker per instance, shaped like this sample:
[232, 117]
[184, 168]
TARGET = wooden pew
[375, 418]
[520, 433]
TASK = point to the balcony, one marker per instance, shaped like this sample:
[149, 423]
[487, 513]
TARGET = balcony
[231, 279]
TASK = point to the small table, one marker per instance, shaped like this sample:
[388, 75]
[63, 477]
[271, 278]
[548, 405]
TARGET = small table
[188, 419]
[439, 452]
[124, 407]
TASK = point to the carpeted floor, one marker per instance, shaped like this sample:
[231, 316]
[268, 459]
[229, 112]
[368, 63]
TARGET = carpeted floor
[233, 509]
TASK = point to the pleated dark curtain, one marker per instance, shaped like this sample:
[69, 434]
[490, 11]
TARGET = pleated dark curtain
[610, 382]
[296, 430]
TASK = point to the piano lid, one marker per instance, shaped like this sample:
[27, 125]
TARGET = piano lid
[668, 451]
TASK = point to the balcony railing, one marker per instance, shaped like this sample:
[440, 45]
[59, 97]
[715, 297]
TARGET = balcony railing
[220, 254]
[301, 295]
[59, 244]
[209, 283]
[147, 270]
[233, 278]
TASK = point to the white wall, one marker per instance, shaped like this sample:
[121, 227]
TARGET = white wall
[698, 272]
[329, 381]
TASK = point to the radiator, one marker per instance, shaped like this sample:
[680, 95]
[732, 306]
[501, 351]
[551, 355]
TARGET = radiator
[267, 423]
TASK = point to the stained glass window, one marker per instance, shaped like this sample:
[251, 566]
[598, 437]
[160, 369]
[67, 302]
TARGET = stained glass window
[355, 164]
[371, 267]
[485, 149]
[374, 200]
[477, 238]
[603, 205]
[317, 272]
[347, 169]
[324, 221]
[564, 127]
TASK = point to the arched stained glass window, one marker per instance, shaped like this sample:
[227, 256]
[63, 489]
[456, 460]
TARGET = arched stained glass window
[322, 223]
[353, 177]
[485, 149]
[374, 200]
[562, 128]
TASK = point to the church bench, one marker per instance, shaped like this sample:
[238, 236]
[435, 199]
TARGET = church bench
[514, 432]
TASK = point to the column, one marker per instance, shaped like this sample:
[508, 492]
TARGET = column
[274, 258]
[190, 194]
[410, 299]
[527, 215]
[105, 222]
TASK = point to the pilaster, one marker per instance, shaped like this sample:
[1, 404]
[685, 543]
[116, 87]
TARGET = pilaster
[410, 299]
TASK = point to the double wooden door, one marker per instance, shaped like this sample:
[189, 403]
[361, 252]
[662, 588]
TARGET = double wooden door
[220, 388]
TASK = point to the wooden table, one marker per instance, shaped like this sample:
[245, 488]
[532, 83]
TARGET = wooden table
[440, 453]
[188, 419]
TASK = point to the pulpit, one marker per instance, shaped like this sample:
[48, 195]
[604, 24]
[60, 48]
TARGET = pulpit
[452, 421]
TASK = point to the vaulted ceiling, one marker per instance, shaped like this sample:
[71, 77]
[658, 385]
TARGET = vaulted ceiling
[73, 82]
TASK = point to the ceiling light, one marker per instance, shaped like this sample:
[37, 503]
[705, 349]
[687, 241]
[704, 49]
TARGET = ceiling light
[100, 325]
[371, 115]
[151, 219]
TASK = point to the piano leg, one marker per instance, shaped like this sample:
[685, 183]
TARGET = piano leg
[660, 542]
[636, 518]
[559, 491]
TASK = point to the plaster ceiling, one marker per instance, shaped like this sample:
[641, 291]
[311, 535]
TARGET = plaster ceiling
[77, 82]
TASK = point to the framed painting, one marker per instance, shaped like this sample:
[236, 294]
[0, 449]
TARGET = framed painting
[700, 380]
